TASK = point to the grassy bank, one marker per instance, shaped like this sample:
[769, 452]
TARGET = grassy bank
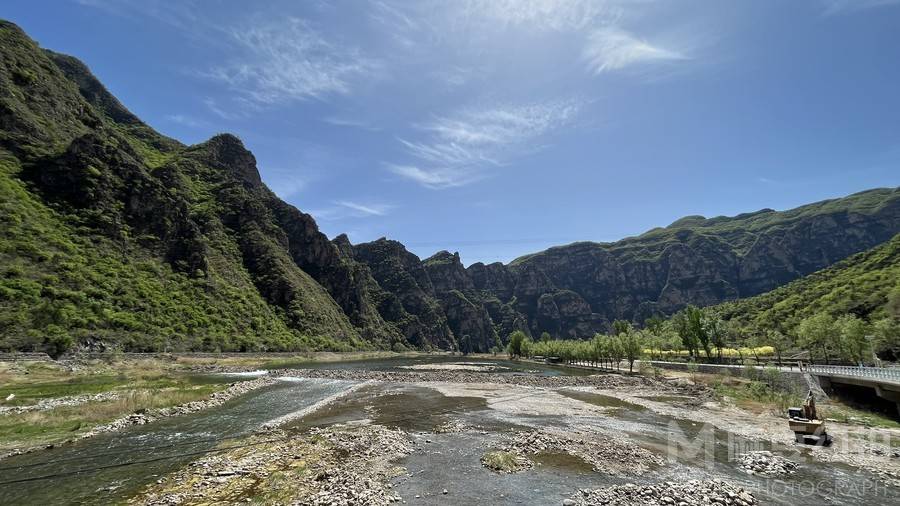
[132, 385]
[281, 360]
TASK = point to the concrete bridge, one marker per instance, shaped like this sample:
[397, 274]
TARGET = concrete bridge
[884, 381]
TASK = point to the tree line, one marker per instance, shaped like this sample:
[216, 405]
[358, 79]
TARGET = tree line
[700, 334]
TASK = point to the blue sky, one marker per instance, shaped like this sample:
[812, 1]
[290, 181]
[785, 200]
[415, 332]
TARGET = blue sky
[501, 127]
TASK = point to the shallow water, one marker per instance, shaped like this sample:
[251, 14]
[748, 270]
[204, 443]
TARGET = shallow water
[403, 364]
[72, 474]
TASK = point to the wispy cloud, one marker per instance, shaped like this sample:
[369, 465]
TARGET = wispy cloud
[288, 60]
[224, 112]
[366, 209]
[841, 6]
[185, 120]
[611, 48]
[557, 15]
[344, 209]
[457, 149]
[351, 122]
[284, 182]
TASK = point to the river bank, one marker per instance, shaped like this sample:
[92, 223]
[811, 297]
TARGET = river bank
[45, 402]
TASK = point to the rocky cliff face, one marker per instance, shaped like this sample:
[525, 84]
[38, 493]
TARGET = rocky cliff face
[579, 289]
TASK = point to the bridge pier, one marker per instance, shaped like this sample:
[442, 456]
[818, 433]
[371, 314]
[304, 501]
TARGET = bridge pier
[886, 389]
[889, 395]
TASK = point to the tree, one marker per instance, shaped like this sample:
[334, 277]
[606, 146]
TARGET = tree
[598, 348]
[655, 325]
[716, 330]
[545, 337]
[697, 329]
[615, 349]
[893, 303]
[516, 340]
[887, 336]
[527, 347]
[632, 343]
[776, 339]
[854, 333]
[682, 328]
[620, 327]
[817, 332]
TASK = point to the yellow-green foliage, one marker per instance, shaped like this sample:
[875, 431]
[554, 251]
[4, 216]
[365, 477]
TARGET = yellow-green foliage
[759, 351]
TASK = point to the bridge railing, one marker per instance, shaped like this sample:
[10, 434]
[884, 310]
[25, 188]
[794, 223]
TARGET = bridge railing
[891, 374]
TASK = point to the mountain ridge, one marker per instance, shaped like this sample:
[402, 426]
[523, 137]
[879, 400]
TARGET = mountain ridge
[117, 236]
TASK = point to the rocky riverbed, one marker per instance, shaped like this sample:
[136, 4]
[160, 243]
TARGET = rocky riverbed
[464, 376]
[766, 463]
[691, 493]
[58, 402]
[606, 454]
[341, 465]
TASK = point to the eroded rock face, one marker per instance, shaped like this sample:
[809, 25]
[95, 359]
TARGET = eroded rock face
[409, 299]
[576, 290]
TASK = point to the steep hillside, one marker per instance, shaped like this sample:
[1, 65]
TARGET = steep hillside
[115, 235]
[858, 285]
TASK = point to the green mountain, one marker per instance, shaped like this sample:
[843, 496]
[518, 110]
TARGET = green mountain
[114, 235]
[859, 285]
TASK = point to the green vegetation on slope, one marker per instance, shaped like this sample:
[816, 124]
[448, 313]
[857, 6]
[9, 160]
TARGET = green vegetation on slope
[61, 284]
[858, 285]
[113, 236]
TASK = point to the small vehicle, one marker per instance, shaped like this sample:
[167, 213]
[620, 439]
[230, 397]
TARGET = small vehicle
[807, 427]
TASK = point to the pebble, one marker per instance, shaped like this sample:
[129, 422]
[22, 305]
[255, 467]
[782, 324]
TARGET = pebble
[690, 493]
[766, 463]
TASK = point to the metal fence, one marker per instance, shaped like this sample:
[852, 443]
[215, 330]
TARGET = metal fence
[882, 374]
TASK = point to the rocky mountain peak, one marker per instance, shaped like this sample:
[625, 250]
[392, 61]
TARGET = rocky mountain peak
[227, 152]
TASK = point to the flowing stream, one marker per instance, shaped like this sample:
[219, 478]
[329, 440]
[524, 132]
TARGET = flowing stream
[110, 467]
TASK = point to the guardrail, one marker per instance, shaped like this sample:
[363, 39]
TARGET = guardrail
[888, 374]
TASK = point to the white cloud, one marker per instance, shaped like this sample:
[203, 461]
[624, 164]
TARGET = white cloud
[288, 60]
[557, 15]
[366, 209]
[839, 6]
[343, 209]
[435, 177]
[188, 121]
[351, 122]
[614, 49]
[285, 182]
[229, 114]
[457, 149]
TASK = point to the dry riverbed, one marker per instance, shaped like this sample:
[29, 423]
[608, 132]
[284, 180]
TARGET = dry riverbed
[360, 461]
[868, 448]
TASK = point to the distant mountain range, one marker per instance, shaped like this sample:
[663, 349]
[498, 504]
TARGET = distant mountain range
[113, 234]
